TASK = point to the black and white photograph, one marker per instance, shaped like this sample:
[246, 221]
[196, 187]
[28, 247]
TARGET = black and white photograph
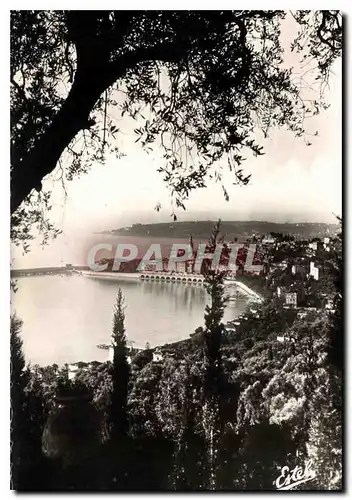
[176, 244]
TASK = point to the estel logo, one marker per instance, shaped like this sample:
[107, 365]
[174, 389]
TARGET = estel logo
[291, 478]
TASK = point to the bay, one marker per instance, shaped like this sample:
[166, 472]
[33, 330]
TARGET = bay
[65, 317]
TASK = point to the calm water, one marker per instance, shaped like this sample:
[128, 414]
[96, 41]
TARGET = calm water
[65, 317]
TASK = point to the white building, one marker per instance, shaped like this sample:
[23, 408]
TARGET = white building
[291, 299]
[157, 356]
[268, 239]
[314, 271]
[72, 371]
[313, 245]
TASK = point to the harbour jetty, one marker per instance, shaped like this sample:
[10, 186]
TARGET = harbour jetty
[248, 291]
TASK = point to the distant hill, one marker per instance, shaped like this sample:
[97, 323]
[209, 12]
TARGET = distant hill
[231, 229]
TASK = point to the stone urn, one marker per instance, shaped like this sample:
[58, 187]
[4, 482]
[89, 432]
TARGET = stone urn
[72, 433]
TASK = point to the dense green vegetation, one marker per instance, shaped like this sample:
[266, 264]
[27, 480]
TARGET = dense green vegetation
[221, 411]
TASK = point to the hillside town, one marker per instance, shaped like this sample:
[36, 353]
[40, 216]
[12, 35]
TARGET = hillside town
[197, 343]
[295, 276]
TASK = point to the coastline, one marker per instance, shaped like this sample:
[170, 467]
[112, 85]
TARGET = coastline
[249, 291]
[137, 276]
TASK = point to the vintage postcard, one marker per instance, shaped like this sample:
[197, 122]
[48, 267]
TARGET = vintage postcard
[176, 250]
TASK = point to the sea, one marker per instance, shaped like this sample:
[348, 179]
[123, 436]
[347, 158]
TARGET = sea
[65, 317]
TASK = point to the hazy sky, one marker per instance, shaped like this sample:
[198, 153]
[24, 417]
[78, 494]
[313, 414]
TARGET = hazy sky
[291, 182]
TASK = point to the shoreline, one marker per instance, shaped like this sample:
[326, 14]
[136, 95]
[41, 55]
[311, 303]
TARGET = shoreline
[138, 276]
[249, 291]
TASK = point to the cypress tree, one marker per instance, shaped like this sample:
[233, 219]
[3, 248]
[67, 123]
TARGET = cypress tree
[213, 376]
[214, 312]
[120, 371]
